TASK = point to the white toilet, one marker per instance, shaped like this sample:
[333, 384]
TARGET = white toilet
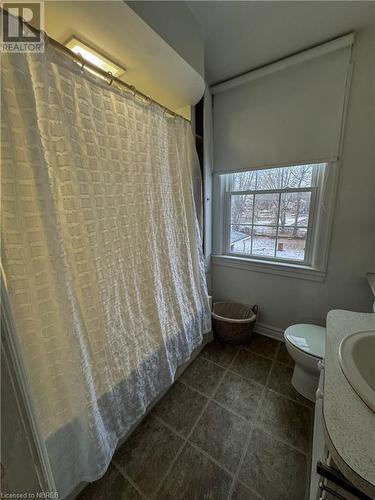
[306, 345]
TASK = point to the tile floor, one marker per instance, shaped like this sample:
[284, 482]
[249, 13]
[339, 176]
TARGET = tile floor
[232, 427]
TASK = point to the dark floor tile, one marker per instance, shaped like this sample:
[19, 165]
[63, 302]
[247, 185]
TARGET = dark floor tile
[281, 381]
[273, 469]
[283, 356]
[240, 492]
[240, 395]
[111, 485]
[195, 477]
[286, 419]
[203, 376]
[260, 344]
[180, 408]
[252, 366]
[219, 353]
[147, 454]
[222, 435]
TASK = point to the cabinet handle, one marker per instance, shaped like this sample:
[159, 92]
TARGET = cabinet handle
[331, 474]
[323, 487]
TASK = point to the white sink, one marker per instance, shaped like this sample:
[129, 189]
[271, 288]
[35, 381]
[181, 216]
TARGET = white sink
[357, 360]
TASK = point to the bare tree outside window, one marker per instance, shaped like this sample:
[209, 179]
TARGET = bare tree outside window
[270, 211]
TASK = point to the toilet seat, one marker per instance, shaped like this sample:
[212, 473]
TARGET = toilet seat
[310, 339]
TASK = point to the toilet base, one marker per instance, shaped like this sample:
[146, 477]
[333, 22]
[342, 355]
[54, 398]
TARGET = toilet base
[305, 382]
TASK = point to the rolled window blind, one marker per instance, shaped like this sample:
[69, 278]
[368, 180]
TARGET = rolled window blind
[286, 114]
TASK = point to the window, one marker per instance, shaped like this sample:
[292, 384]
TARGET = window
[270, 214]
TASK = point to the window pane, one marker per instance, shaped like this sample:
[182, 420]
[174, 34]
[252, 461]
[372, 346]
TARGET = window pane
[264, 240]
[244, 181]
[295, 209]
[240, 239]
[266, 208]
[291, 243]
[295, 177]
[241, 208]
[269, 178]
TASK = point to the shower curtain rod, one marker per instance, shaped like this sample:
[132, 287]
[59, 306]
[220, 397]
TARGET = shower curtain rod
[86, 64]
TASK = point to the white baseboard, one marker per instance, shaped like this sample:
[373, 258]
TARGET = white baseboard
[269, 331]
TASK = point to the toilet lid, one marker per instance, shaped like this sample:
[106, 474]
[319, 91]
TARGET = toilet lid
[308, 338]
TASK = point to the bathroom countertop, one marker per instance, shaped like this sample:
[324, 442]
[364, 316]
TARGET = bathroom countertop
[349, 423]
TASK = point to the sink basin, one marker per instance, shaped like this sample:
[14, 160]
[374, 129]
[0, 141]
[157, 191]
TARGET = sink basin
[357, 360]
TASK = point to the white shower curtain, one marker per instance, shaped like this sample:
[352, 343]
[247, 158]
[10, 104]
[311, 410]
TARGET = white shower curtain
[101, 254]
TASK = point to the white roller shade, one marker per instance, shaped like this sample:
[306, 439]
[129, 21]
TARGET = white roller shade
[288, 113]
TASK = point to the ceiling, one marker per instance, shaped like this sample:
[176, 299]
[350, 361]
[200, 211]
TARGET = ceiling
[116, 31]
[240, 36]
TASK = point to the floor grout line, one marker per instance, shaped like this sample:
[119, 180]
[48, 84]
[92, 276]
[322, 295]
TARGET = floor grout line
[213, 459]
[187, 440]
[213, 400]
[183, 446]
[186, 384]
[227, 369]
[215, 363]
[249, 421]
[305, 405]
[248, 379]
[229, 410]
[247, 349]
[250, 489]
[184, 438]
[273, 360]
[242, 348]
[277, 438]
[195, 445]
[252, 422]
[175, 431]
[248, 440]
[129, 479]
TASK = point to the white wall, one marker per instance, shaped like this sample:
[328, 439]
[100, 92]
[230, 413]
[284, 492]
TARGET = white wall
[174, 22]
[207, 182]
[285, 300]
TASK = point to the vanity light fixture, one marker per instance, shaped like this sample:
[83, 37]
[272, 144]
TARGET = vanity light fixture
[94, 57]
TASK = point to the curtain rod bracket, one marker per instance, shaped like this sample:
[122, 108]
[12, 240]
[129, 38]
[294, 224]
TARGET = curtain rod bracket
[45, 38]
[82, 61]
[110, 74]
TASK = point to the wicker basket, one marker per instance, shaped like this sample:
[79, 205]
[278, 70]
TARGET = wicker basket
[233, 322]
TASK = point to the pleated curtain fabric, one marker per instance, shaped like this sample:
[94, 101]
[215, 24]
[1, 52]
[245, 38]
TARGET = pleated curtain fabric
[101, 254]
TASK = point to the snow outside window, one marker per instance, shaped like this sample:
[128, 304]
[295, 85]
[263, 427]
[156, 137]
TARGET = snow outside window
[270, 214]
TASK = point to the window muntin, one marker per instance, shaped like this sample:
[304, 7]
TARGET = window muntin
[271, 213]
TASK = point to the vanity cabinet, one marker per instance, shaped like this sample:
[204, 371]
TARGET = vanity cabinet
[321, 453]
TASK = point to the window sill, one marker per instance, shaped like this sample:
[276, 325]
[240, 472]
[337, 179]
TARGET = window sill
[263, 266]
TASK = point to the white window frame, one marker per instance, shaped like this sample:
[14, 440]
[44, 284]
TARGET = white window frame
[313, 267]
